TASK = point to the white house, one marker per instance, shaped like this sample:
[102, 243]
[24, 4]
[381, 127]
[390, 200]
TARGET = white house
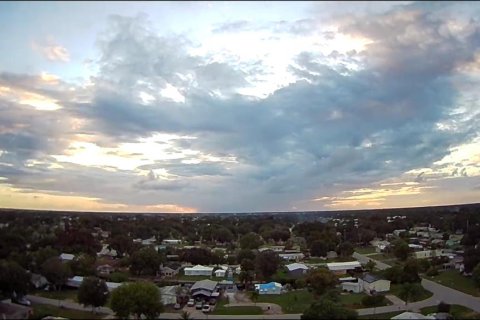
[77, 281]
[343, 267]
[350, 284]
[107, 252]
[295, 256]
[370, 283]
[428, 254]
[220, 273]
[198, 270]
[168, 294]
[171, 241]
[268, 288]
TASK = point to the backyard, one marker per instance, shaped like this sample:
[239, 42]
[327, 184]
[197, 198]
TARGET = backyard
[354, 300]
[291, 302]
[365, 250]
[395, 290]
[42, 310]
[453, 279]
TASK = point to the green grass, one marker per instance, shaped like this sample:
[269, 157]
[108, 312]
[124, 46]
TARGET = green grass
[42, 310]
[383, 257]
[365, 250]
[453, 279]
[457, 311]
[220, 309]
[387, 315]
[70, 294]
[337, 259]
[395, 290]
[353, 300]
[193, 278]
[291, 302]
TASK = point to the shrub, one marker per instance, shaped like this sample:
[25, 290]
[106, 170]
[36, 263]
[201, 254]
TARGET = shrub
[373, 301]
[432, 271]
[443, 307]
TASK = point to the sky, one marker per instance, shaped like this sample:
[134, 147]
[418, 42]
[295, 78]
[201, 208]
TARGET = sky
[187, 107]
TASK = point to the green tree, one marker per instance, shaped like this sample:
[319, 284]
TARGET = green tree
[83, 265]
[145, 261]
[13, 278]
[122, 244]
[245, 254]
[137, 299]
[401, 250]
[320, 280]
[56, 272]
[266, 263]
[410, 271]
[250, 241]
[370, 265]
[43, 254]
[394, 274]
[410, 292]
[93, 292]
[318, 248]
[345, 249]
[254, 296]
[476, 275]
[327, 309]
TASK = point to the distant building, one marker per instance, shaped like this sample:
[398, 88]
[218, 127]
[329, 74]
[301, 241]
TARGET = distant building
[350, 284]
[371, 283]
[220, 273]
[204, 289]
[297, 256]
[172, 241]
[105, 269]
[170, 269]
[67, 257]
[106, 251]
[343, 267]
[296, 270]
[198, 270]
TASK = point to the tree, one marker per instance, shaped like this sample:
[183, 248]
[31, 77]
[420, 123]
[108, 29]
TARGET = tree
[476, 275]
[443, 307]
[410, 292]
[137, 299]
[250, 241]
[56, 272]
[327, 309]
[320, 280]
[93, 292]
[373, 301]
[254, 296]
[245, 254]
[266, 263]
[145, 261]
[13, 278]
[122, 244]
[345, 249]
[370, 265]
[318, 248]
[410, 271]
[84, 265]
[401, 249]
[43, 254]
[394, 274]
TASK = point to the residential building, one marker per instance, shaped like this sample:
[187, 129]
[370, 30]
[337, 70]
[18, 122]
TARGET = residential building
[67, 257]
[268, 288]
[350, 284]
[105, 269]
[425, 254]
[371, 283]
[343, 267]
[296, 270]
[107, 251]
[168, 294]
[198, 270]
[204, 289]
[220, 273]
[294, 256]
[38, 281]
[172, 241]
[170, 269]
[76, 281]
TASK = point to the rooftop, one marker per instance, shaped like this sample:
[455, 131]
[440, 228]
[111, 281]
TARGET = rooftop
[204, 285]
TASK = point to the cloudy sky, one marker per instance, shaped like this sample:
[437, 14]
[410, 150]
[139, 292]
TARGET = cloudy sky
[238, 106]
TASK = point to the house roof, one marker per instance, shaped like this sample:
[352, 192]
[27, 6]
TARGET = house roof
[295, 266]
[268, 286]
[67, 256]
[204, 285]
[412, 315]
[343, 265]
[202, 292]
[370, 278]
[200, 268]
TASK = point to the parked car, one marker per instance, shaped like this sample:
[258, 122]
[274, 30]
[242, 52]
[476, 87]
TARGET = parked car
[191, 303]
[199, 305]
[206, 308]
[177, 306]
[212, 302]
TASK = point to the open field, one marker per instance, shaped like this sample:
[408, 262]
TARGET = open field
[455, 280]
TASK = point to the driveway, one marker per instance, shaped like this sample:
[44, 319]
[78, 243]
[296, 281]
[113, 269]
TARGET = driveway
[364, 259]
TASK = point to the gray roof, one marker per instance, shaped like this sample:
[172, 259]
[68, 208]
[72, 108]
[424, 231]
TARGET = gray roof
[202, 292]
[370, 278]
[204, 285]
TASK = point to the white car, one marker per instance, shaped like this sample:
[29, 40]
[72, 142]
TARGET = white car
[206, 308]
[191, 303]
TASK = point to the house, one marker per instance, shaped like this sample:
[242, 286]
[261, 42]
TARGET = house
[411, 315]
[38, 281]
[66, 257]
[350, 284]
[296, 270]
[169, 294]
[268, 288]
[203, 289]
[105, 269]
[170, 269]
[273, 248]
[415, 246]
[291, 256]
[171, 241]
[427, 254]
[198, 270]
[76, 281]
[149, 241]
[398, 232]
[220, 273]
[14, 311]
[107, 251]
[370, 283]
[332, 255]
[343, 267]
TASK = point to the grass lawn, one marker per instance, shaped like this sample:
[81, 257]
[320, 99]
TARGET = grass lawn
[220, 309]
[387, 315]
[42, 310]
[291, 302]
[352, 300]
[457, 311]
[453, 279]
[193, 278]
[383, 257]
[395, 290]
[365, 250]
[70, 294]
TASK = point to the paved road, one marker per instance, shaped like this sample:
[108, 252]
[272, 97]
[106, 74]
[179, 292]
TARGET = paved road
[451, 296]
[364, 259]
